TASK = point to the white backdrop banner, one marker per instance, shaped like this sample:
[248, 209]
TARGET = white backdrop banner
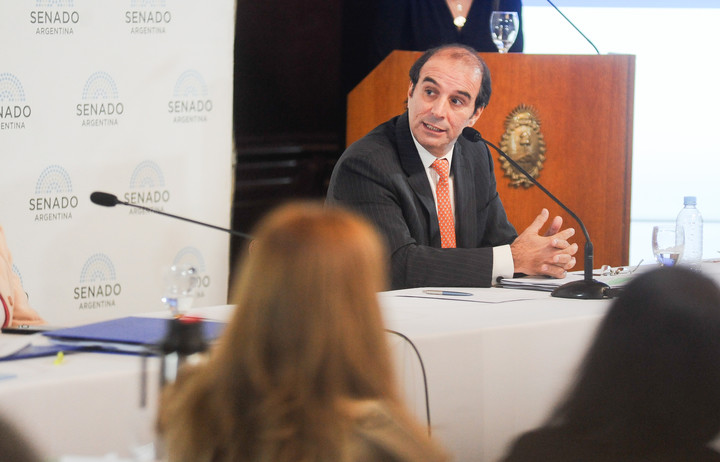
[132, 97]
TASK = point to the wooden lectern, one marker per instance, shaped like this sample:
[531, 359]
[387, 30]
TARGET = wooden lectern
[585, 108]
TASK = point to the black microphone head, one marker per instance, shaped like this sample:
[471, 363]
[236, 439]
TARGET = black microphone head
[104, 199]
[472, 134]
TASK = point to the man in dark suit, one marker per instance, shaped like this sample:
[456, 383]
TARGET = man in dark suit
[389, 176]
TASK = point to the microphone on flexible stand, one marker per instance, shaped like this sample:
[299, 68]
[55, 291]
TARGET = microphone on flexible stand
[184, 336]
[111, 200]
[588, 288]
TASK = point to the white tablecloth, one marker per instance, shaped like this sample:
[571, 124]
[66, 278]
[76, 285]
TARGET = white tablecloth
[87, 405]
[496, 363]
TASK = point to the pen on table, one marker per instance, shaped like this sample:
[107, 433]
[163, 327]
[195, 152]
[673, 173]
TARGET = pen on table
[447, 292]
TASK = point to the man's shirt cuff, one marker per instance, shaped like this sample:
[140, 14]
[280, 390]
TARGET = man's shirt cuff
[503, 266]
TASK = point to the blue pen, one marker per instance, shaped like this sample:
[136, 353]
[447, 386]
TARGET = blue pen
[447, 292]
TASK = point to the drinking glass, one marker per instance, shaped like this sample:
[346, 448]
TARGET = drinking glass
[504, 26]
[180, 284]
[668, 242]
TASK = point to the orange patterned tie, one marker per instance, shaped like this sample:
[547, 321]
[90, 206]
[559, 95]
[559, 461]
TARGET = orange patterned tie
[445, 214]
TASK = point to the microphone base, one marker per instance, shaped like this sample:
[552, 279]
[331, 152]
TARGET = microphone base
[590, 290]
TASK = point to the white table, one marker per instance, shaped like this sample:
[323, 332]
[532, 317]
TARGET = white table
[494, 369]
[496, 364]
[87, 405]
[90, 404]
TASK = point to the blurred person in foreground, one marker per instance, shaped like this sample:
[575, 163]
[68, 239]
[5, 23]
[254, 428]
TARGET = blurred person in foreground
[302, 371]
[14, 445]
[649, 386]
[14, 306]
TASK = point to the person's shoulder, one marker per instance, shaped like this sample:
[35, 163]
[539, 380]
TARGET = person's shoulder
[4, 252]
[374, 420]
[378, 149]
[527, 445]
[559, 445]
[382, 136]
[381, 433]
[550, 443]
[709, 455]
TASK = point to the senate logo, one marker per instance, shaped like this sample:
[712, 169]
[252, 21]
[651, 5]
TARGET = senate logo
[101, 105]
[190, 102]
[54, 17]
[148, 17]
[54, 199]
[98, 287]
[147, 188]
[14, 110]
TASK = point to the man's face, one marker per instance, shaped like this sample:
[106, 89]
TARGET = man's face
[443, 101]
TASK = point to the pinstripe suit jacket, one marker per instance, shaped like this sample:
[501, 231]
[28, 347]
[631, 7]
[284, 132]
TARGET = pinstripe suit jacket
[382, 177]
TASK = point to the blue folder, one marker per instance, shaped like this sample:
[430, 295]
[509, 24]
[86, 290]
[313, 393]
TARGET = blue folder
[129, 334]
[36, 351]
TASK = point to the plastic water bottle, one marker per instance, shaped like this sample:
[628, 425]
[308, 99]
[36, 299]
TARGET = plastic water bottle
[691, 220]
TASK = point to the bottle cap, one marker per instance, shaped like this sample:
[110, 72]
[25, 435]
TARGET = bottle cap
[690, 200]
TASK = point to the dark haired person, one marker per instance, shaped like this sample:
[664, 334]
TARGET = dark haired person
[391, 176]
[649, 386]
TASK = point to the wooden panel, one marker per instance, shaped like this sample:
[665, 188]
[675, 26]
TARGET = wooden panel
[267, 176]
[585, 106]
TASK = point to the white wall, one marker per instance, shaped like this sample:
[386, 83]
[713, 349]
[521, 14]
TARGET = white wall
[133, 97]
[676, 98]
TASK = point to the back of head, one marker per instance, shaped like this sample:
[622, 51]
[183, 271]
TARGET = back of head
[307, 335]
[652, 374]
[312, 341]
[307, 302]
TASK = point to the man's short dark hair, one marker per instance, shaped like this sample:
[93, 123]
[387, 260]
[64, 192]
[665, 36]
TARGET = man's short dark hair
[483, 96]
